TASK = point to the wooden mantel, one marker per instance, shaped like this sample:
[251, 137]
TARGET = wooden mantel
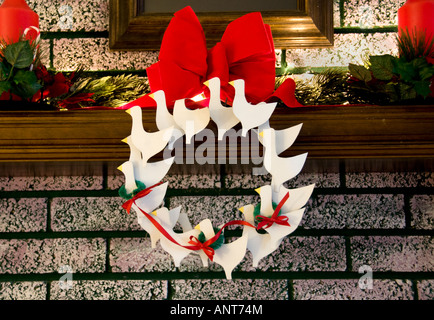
[344, 132]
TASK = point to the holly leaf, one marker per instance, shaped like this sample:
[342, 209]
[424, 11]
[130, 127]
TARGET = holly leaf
[5, 86]
[382, 66]
[390, 89]
[422, 88]
[407, 91]
[3, 72]
[19, 54]
[406, 70]
[25, 76]
[26, 84]
[360, 72]
[427, 72]
[5, 69]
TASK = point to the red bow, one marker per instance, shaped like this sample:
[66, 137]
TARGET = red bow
[266, 222]
[246, 51]
[203, 246]
[129, 203]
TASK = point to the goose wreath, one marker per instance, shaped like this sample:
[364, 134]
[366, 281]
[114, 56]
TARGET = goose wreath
[264, 224]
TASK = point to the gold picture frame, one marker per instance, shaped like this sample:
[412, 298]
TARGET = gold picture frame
[310, 26]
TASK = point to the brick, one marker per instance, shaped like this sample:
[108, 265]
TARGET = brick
[114, 182]
[181, 181]
[192, 263]
[229, 289]
[324, 253]
[110, 290]
[136, 255]
[336, 14]
[278, 53]
[219, 209]
[348, 48]
[93, 54]
[349, 290]
[422, 211]
[365, 211]
[23, 291]
[45, 52]
[390, 180]
[249, 181]
[51, 183]
[23, 215]
[368, 14]
[393, 253]
[199, 181]
[72, 15]
[91, 214]
[425, 289]
[48, 255]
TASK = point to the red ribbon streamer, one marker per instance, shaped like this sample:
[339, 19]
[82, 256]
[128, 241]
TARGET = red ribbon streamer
[268, 222]
[246, 51]
[195, 243]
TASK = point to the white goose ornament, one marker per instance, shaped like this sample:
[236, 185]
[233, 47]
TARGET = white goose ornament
[289, 209]
[190, 121]
[128, 170]
[224, 117]
[285, 138]
[281, 169]
[164, 119]
[149, 143]
[250, 115]
[154, 199]
[260, 245]
[228, 255]
[176, 250]
[166, 218]
[152, 172]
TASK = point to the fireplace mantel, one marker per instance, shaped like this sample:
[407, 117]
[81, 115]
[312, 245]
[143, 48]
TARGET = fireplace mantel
[328, 132]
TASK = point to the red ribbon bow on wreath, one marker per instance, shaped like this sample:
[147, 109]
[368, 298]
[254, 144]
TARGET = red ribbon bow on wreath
[205, 247]
[266, 222]
[246, 51]
[129, 203]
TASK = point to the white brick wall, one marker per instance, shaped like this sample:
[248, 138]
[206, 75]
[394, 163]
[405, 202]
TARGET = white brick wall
[384, 220]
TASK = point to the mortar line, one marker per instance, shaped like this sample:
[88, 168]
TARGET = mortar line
[268, 275]
[414, 286]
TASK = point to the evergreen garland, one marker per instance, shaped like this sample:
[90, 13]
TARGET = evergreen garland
[380, 80]
[329, 87]
[112, 91]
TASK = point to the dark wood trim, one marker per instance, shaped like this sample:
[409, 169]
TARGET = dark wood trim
[356, 132]
[311, 26]
[344, 132]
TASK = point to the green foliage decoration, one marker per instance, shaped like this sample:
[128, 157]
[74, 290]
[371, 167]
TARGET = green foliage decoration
[16, 76]
[127, 196]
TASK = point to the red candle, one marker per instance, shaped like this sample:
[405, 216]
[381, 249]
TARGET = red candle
[417, 15]
[15, 17]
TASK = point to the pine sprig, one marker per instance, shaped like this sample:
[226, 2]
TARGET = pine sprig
[112, 91]
[415, 44]
[328, 87]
